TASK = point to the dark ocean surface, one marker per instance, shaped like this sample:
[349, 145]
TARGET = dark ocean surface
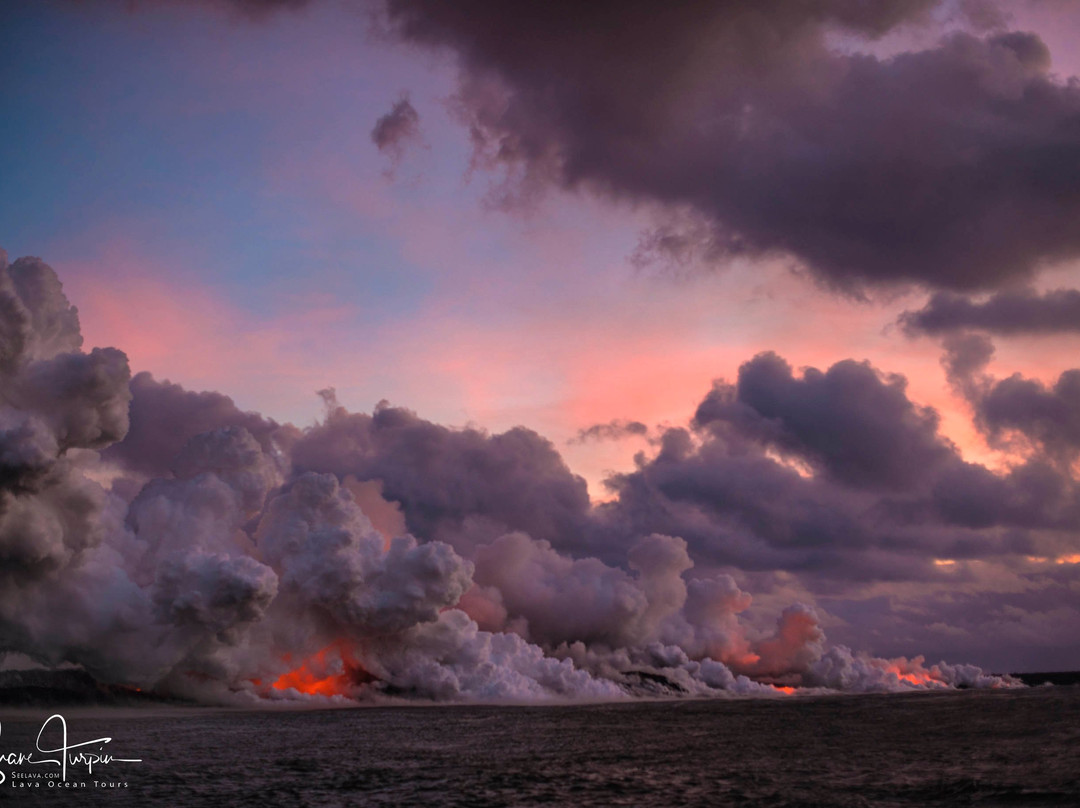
[921, 749]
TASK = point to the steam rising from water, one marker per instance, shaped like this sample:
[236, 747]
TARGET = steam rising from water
[163, 539]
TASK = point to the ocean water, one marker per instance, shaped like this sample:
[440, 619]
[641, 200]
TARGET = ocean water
[921, 749]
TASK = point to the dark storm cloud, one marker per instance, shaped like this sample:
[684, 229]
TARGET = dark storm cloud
[1004, 313]
[165, 416]
[850, 421]
[837, 474]
[448, 479]
[1037, 620]
[1045, 416]
[395, 130]
[954, 167]
[965, 357]
[1033, 495]
[616, 429]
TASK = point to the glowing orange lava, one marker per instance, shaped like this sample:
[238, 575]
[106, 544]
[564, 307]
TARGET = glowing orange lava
[784, 689]
[333, 671]
[916, 677]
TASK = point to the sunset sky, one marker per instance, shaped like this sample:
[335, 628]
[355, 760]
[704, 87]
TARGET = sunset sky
[577, 219]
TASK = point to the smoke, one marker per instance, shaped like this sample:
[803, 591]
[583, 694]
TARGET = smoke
[164, 539]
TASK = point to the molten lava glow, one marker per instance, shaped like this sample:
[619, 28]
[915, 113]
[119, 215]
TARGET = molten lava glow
[915, 676]
[1071, 558]
[784, 689]
[333, 671]
[917, 679]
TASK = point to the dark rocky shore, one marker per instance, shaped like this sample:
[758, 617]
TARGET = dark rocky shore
[73, 687]
[67, 688]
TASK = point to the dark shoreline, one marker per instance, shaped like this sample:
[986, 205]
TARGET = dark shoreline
[1059, 678]
[76, 688]
[72, 688]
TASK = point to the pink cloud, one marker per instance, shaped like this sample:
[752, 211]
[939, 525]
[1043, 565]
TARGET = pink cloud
[189, 333]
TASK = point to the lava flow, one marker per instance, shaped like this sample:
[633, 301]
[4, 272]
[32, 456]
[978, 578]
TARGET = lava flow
[913, 676]
[333, 671]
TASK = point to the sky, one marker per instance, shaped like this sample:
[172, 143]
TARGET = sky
[794, 283]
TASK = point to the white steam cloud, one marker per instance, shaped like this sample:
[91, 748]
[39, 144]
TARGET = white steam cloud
[218, 555]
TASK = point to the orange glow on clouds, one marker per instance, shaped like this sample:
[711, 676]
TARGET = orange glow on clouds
[1072, 558]
[620, 347]
[911, 671]
[190, 334]
[333, 671]
[916, 678]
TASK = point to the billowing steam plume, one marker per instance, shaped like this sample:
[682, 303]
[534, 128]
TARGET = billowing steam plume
[163, 539]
